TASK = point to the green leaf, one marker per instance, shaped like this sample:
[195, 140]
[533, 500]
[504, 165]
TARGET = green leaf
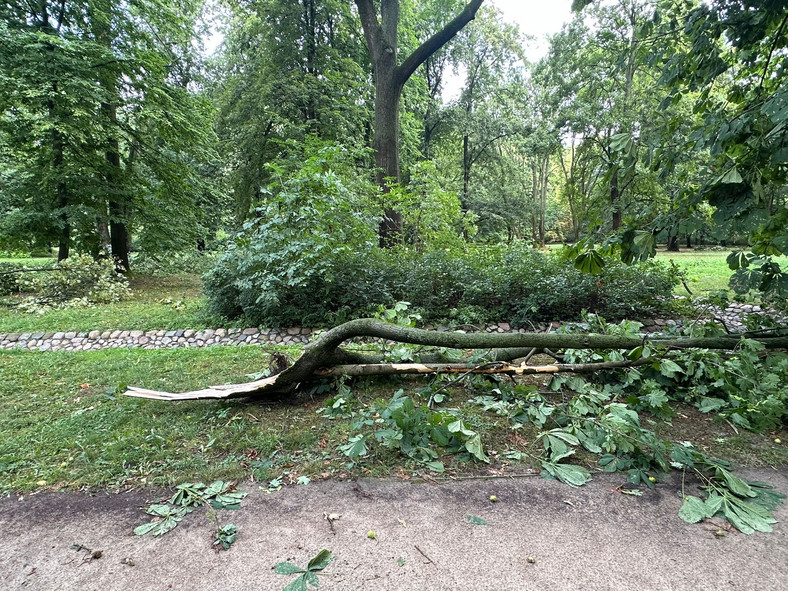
[474, 447]
[590, 262]
[321, 561]
[311, 579]
[145, 528]
[736, 485]
[436, 466]
[474, 520]
[669, 368]
[568, 473]
[747, 517]
[693, 510]
[731, 177]
[713, 504]
[297, 585]
[711, 404]
[287, 568]
[737, 259]
[356, 446]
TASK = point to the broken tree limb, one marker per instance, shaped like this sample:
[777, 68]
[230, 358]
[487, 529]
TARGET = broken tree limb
[325, 356]
[389, 369]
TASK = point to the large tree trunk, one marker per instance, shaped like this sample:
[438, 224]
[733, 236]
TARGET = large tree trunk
[381, 36]
[325, 356]
[64, 238]
[58, 147]
[386, 146]
[614, 202]
[117, 201]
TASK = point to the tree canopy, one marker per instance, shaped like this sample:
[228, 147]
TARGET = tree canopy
[647, 121]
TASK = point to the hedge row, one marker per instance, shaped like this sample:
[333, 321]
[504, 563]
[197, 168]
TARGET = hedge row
[513, 284]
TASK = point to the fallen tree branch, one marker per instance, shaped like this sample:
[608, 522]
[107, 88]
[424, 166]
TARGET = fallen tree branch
[388, 369]
[324, 357]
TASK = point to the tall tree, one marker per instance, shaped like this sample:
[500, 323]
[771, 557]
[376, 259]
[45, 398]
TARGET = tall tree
[288, 71]
[391, 73]
[95, 122]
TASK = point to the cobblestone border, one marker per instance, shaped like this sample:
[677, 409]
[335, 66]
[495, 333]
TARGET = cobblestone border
[171, 339]
[151, 339]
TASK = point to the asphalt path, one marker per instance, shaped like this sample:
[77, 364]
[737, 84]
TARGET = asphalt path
[539, 535]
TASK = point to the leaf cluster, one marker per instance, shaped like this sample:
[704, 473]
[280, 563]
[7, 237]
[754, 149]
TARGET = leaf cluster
[188, 496]
[307, 576]
[79, 281]
[414, 430]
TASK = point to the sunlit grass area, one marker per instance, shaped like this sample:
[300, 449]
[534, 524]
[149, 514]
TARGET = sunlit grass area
[705, 270]
[170, 302]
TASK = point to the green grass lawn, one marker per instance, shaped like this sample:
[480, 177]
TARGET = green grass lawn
[705, 270]
[60, 421]
[64, 425]
[171, 302]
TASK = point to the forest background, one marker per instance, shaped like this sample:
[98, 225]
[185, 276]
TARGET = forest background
[646, 122]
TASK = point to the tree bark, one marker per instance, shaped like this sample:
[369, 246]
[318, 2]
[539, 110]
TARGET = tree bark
[381, 38]
[614, 202]
[323, 357]
[117, 202]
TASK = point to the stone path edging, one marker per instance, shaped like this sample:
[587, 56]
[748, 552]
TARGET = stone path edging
[171, 339]
[151, 339]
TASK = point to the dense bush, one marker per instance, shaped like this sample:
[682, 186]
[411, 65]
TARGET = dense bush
[515, 284]
[77, 281]
[8, 277]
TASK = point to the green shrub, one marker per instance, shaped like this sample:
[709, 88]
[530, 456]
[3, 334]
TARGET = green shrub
[8, 278]
[277, 268]
[77, 281]
[514, 283]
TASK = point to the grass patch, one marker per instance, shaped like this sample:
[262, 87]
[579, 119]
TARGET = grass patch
[705, 270]
[62, 425]
[170, 302]
[61, 422]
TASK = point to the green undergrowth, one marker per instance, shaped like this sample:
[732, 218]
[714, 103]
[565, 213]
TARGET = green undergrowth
[483, 284]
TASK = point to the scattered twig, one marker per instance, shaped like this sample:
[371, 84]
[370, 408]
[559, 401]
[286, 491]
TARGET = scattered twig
[486, 477]
[556, 356]
[430, 561]
[527, 358]
[732, 426]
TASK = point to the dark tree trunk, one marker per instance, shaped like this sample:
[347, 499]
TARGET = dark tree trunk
[386, 146]
[58, 149]
[117, 200]
[466, 171]
[614, 201]
[64, 239]
[673, 244]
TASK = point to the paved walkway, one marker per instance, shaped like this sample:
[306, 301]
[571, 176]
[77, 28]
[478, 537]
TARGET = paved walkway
[541, 535]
